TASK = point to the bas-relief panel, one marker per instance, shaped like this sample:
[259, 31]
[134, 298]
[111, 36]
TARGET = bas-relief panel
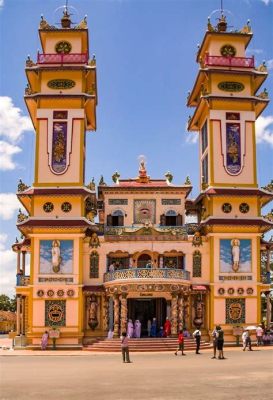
[56, 256]
[59, 144]
[235, 311]
[144, 211]
[233, 146]
[235, 255]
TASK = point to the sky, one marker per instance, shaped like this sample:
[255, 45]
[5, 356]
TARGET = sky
[145, 52]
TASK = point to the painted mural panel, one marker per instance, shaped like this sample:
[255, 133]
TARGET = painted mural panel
[144, 211]
[235, 311]
[56, 256]
[233, 142]
[59, 145]
[235, 255]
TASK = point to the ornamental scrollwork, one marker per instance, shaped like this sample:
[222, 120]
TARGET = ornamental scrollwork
[269, 187]
[21, 216]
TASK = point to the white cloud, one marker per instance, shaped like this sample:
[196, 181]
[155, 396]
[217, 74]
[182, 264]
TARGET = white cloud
[266, 2]
[7, 150]
[269, 63]
[9, 204]
[12, 123]
[192, 137]
[8, 267]
[264, 129]
[1, 3]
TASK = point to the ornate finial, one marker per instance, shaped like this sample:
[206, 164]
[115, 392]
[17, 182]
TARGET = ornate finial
[209, 26]
[262, 67]
[16, 240]
[43, 23]
[91, 185]
[28, 90]
[82, 24]
[269, 215]
[187, 181]
[93, 61]
[264, 94]
[29, 62]
[269, 187]
[94, 241]
[142, 172]
[21, 186]
[169, 177]
[222, 24]
[246, 28]
[101, 182]
[21, 216]
[115, 177]
[66, 21]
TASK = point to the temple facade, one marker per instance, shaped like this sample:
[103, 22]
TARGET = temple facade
[141, 248]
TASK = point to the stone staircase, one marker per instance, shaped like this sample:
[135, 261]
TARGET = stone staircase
[143, 345]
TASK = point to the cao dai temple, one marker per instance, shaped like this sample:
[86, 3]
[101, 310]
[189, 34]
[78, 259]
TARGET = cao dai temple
[100, 256]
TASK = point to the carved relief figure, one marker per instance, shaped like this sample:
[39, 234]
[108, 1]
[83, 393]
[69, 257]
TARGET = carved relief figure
[92, 317]
[235, 245]
[199, 314]
[56, 255]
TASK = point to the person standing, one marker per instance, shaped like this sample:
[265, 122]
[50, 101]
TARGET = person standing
[180, 343]
[167, 328]
[259, 335]
[44, 341]
[130, 328]
[197, 336]
[137, 329]
[246, 340]
[153, 328]
[149, 325]
[125, 348]
[220, 342]
[214, 342]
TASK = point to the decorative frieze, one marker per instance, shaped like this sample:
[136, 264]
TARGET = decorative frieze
[118, 202]
[171, 202]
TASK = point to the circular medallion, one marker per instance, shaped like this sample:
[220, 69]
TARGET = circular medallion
[228, 50]
[50, 293]
[226, 208]
[70, 293]
[221, 291]
[48, 207]
[240, 290]
[66, 207]
[63, 47]
[124, 288]
[249, 290]
[230, 291]
[60, 293]
[228, 86]
[244, 208]
[55, 313]
[40, 293]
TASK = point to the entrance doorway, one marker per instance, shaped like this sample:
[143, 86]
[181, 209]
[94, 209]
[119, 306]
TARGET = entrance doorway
[143, 261]
[145, 309]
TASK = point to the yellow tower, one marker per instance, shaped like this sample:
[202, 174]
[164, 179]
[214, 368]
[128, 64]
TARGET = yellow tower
[226, 108]
[61, 97]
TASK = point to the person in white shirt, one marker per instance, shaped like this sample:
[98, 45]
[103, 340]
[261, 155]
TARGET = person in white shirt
[246, 340]
[259, 335]
[197, 336]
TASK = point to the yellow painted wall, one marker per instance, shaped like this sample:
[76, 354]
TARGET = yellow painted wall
[235, 202]
[215, 45]
[75, 201]
[75, 76]
[73, 38]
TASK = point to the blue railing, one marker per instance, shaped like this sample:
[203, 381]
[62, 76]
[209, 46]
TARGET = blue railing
[147, 273]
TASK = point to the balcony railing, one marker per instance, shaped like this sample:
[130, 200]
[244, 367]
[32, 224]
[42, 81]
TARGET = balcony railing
[54, 58]
[146, 273]
[22, 280]
[180, 230]
[220, 61]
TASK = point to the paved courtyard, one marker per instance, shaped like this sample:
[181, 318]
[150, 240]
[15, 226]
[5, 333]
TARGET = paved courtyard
[153, 376]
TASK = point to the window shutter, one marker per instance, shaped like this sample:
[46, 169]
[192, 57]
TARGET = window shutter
[179, 221]
[109, 220]
[120, 220]
[163, 219]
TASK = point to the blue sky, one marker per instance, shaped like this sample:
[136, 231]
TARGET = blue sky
[145, 51]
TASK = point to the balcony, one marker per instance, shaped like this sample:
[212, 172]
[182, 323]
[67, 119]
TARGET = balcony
[22, 280]
[146, 273]
[55, 58]
[220, 61]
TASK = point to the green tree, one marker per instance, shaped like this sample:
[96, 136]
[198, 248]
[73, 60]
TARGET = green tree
[7, 303]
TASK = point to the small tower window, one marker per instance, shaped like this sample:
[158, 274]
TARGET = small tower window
[204, 136]
[94, 265]
[115, 219]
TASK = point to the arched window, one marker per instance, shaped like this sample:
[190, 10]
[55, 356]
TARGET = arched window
[94, 265]
[116, 218]
[171, 218]
[197, 264]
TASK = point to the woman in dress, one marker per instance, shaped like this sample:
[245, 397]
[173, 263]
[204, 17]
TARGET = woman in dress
[44, 341]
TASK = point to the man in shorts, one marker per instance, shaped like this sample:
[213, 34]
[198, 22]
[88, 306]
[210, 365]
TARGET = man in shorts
[180, 344]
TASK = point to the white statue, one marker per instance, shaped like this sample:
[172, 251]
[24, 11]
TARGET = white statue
[56, 255]
[235, 245]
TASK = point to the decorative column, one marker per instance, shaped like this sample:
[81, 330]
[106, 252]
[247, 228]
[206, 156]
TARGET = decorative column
[123, 313]
[268, 266]
[18, 314]
[24, 262]
[105, 324]
[23, 315]
[180, 311]
[18, 262]
[116, 315]
[268, 310]
[186, 313]
[174, 314]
